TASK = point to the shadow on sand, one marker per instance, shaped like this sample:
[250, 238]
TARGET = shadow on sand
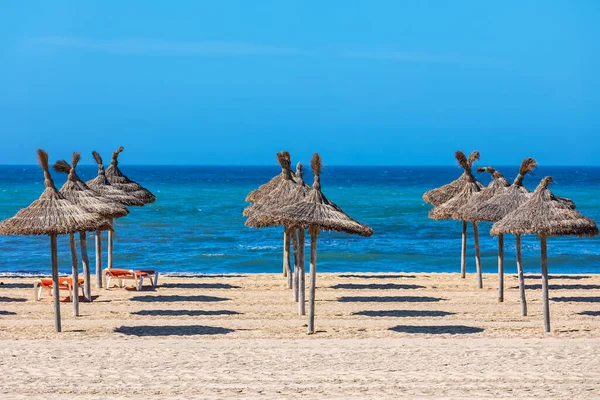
[2, 312]
[4, 299]
[590, 313]
[437, 330]
[208, 276]
[576, 299]
[388, 299]
[379, 286]
[377, 276]
[572, 277]
[199, 286]
[404, 313]
[189, 313]
[183, 330]
[16, 285]
[177, 298]
[561, 287]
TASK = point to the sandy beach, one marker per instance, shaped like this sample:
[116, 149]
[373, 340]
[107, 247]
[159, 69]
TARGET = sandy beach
[378, 335]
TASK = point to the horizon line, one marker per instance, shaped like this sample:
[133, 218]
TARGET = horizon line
[327, 165]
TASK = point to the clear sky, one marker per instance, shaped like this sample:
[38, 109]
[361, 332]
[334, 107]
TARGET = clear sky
[363, 82]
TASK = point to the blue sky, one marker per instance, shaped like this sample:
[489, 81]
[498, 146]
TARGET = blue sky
[362, 82]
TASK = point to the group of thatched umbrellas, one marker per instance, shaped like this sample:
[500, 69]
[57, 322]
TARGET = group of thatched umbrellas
[287, 201]
[78, 207]
[514, 210]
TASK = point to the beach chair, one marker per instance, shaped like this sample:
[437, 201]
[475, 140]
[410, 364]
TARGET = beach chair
[121, 275]
[64, 283]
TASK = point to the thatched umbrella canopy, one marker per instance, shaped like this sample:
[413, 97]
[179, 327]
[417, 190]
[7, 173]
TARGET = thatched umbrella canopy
[102, 186]
[264, 216]
[448, 210]
[497, 207]
[122, 182]
[317, 213]
[444, 193]
[257, 194]
[496, 186]
[52, 215]
[544, 214]
[77, 192]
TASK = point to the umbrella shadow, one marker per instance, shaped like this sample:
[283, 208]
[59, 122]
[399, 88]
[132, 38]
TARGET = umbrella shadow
[189, 313]
[572, 277]
[379, 286]
[4, 299]
[590, 313]
[199, 286]
[388, 299]
[182, 330]
[377, 276]
[577, 299]
[403, 313]
[2, 312]
[177, 298]
[16, 285]
[437, 330]
[560, 287]
[209, 276]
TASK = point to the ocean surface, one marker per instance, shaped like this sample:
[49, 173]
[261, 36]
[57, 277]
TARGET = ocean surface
[196, 224]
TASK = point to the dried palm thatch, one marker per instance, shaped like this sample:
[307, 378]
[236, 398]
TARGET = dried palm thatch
[102, 186]
[77, 192]
[545, 215]
[316, 210]
[257, 194]
[444, 193]
[498, 185]
[52, 213]
[122, 182]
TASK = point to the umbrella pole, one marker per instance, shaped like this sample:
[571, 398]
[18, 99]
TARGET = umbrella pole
[477, 255]
[463, 254]
[286, 258]
[74, 275]
[87, 285]
[295, 246]
[285, 238]
[314, 232]
[55, 294]
[545, 284]
[99, 259]
[110, 245]
[500, 268]
[521, 278]
[301, 274]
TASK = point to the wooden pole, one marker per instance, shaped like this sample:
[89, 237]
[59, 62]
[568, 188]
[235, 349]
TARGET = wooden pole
[74, 275]
[286, 259]
[296, 248]
[99, 259]
[463, 254]
[521, 278]
[110, 246]
[314, 233]
[500, 268]
[284, 252]
[477, 255]
[55, 291]
[545, 300]
[87, 285]
[301, 275]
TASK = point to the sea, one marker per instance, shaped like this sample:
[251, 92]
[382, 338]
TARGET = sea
[196, 224]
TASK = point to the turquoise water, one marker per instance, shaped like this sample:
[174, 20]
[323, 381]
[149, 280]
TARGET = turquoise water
[196, 225]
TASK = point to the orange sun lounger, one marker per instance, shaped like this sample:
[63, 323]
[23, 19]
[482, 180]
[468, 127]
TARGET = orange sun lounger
[137, 275]
[64, 283]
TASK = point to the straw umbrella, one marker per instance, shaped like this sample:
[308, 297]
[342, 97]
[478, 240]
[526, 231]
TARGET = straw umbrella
[440, 195]
[102, 186]
[317, 213]
[448, 210]
[77, 192]
[282, 195]
[499, 184]
[122, 182]
[544, 214]
[496, 208]
[266, 217]
[52, 215]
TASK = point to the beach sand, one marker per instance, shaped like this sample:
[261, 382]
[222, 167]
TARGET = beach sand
[378, 335]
